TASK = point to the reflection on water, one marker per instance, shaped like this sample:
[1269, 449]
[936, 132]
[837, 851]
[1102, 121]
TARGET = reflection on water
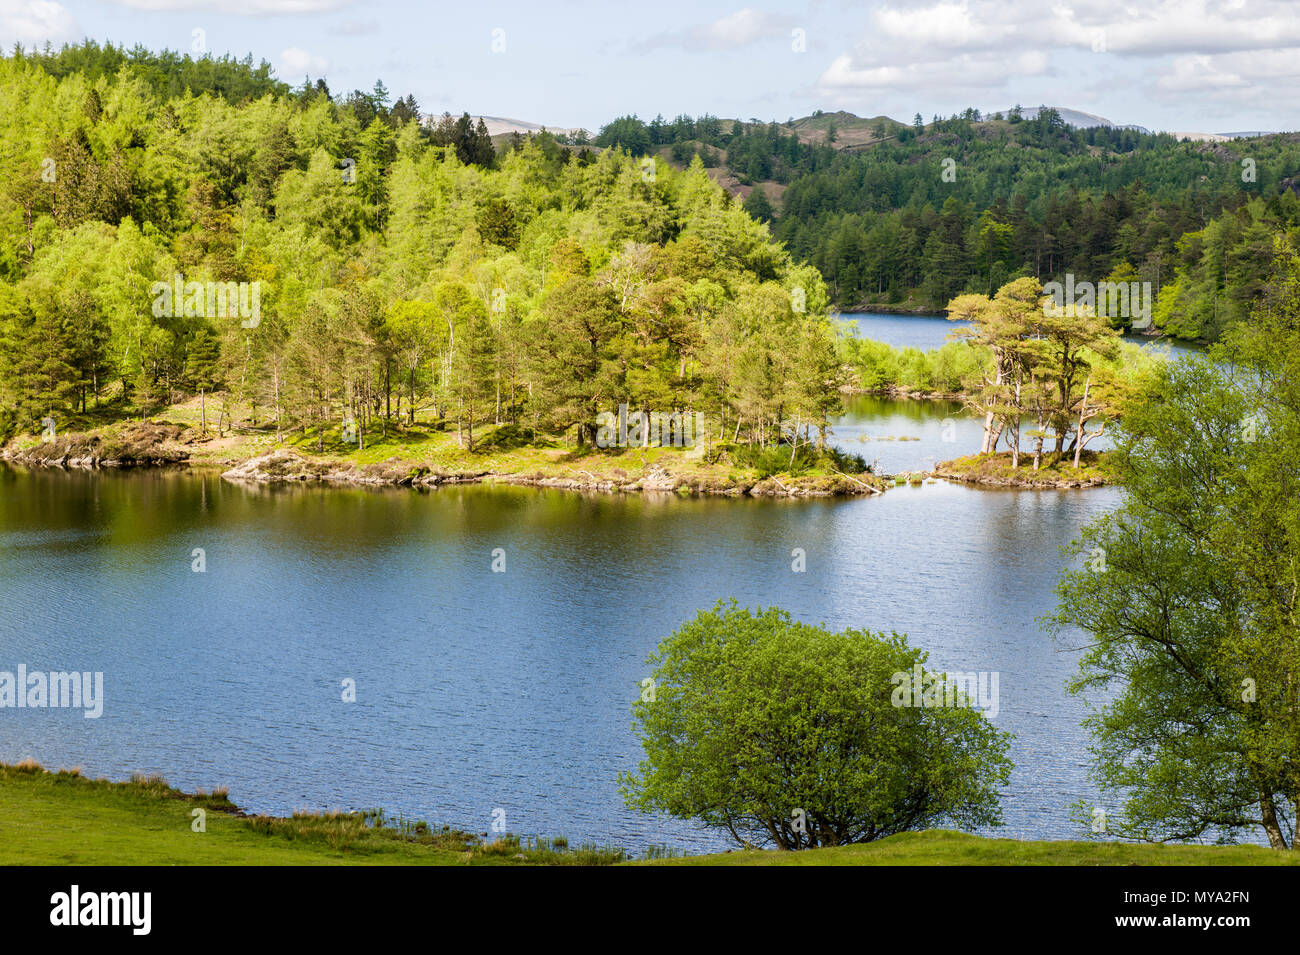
[478, 690]
[893, 435]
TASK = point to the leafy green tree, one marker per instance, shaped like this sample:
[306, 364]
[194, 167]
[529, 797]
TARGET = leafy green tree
[576, 364]
[474, 369]
[1192, 656]
[628, 132]
[786, 734]
[497, 224]
[759, 206]
[202, 369]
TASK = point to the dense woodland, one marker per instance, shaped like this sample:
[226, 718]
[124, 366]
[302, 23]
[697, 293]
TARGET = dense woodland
[405, 269]
[1023, 198]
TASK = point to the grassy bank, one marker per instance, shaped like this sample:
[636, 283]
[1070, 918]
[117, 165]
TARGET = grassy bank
[64, 818]
[938, 847]
[1054, 470]
[400, 453]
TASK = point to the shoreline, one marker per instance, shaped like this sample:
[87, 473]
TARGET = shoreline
[994, 471]
[153, 823]
[283, 466]
[254, 461]
[150, 445]
[917, 310]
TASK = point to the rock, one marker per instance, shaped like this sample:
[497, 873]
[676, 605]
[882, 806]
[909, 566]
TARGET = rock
[139, 444]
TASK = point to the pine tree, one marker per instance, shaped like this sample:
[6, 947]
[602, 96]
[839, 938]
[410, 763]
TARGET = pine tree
[201, 369]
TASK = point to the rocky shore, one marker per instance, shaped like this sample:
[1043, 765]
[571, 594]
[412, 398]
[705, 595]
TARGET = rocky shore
[283, 466]
[160, 444]
[1035, 480]
[140, 444]
[994, 470]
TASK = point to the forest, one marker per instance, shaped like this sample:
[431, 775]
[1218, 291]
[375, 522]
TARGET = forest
[925, 212]
[404, 265]
[399, 267]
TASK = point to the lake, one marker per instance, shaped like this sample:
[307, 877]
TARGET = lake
[478, 691]
[931, 331]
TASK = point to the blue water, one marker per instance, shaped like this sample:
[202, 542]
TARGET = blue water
[933, 331]
[475, 690]
[479, 691]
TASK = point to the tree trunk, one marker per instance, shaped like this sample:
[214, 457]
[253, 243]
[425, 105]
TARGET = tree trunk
[1276, 840]
[1015, 432]
[1083, 410]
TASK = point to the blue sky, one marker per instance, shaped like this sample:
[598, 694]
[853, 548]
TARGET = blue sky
[1178, 65]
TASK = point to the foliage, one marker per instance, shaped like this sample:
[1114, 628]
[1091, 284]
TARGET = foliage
[1188, 593]
[405, 271]
[777, 732]
[1028, 197]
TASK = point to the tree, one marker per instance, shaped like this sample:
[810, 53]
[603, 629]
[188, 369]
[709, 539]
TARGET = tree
[1188, 596]
[412, 330]
[628, 132]
[497, 224]
[473, 368]
[781, 733]
[1001, 325]
[575, 361]
[758, 205]
[202, 368]
[1047, 363]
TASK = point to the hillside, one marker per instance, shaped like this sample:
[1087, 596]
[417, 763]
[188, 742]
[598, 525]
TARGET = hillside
[908, 216]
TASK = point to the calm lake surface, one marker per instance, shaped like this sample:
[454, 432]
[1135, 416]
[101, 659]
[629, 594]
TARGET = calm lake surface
[479, 691]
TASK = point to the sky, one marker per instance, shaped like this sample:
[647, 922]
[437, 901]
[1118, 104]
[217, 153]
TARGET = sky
[1176, 65]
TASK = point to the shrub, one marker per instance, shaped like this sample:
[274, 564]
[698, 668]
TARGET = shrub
[780, 733]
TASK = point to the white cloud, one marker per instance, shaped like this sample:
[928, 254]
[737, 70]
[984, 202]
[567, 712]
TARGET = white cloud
[960, 72]
[935, 47]
[295, 63]
[34, 22]
[947, 25]
[735, 31]
[239, 7]
[1199, 74]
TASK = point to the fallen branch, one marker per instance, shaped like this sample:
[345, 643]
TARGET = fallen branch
[856, 481]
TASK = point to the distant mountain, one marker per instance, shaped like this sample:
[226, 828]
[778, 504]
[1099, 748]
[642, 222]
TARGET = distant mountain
[1082, 120]
[501, 126]
[1077, 118]
[496, 125]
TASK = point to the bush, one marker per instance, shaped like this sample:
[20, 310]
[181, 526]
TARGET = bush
[780, 733]
[778, 460]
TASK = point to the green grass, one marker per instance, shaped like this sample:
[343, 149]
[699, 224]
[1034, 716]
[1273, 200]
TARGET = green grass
[512, 450]
[64, 818]
[937, 847]
[1053, 469]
